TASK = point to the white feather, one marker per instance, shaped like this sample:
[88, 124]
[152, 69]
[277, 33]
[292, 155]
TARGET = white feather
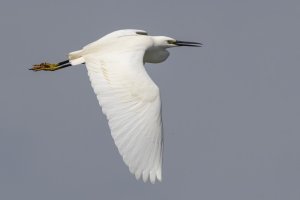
[131, 102]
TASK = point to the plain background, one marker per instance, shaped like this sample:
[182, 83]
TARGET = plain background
[230, 109]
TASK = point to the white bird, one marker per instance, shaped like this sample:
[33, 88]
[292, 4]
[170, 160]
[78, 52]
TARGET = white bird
[128, 97]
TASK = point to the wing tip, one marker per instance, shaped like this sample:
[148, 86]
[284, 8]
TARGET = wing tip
[151, 176]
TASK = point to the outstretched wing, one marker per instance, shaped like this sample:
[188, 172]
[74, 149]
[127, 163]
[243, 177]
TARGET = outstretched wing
[131, 102]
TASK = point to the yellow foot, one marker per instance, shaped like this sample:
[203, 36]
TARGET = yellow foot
[45, 67]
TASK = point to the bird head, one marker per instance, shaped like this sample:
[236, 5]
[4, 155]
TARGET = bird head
[167, 42]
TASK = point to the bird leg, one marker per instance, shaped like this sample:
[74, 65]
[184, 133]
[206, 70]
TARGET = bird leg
[50, 67]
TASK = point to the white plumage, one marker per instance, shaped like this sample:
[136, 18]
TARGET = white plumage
[128, 97]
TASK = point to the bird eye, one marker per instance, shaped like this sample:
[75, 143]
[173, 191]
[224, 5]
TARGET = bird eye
[171, 41]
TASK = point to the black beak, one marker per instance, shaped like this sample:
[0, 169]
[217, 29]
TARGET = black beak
[188, 44]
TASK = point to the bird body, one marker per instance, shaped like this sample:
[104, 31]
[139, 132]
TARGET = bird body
[120, 45]
[128, 96]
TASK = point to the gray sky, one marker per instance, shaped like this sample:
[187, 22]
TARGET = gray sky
[230, 109]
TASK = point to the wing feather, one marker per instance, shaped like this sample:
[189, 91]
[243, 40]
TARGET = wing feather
[131, 102]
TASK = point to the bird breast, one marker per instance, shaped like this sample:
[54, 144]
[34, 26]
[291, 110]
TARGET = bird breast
[156, 55]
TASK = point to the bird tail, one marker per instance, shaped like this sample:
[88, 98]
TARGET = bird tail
[76, 58]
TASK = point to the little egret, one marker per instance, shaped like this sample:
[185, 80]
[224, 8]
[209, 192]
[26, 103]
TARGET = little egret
[128, 96]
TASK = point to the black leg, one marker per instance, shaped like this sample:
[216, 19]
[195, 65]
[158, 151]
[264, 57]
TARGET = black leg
[63, 63]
